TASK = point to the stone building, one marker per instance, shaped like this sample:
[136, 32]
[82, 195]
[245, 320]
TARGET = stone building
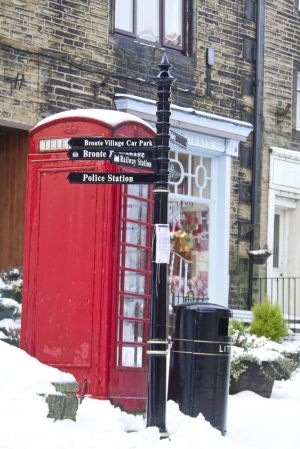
[278, 186]
[62, 55]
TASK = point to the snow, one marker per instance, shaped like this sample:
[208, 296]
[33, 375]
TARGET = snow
[253, 422]
[2, 283]
[260, 252]
[111, 117]
[188, 110]
[263, 354]
[9, 302]
[9, 324]
[261, 348]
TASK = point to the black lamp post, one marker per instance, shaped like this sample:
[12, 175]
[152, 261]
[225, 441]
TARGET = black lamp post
[158, 342]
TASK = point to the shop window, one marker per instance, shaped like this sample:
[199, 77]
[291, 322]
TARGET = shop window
[190, 174]
[189, 215]
[189, 225]
[161, 23]
[135, 276]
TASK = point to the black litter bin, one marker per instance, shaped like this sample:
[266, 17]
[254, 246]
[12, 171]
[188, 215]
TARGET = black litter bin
[200, 361]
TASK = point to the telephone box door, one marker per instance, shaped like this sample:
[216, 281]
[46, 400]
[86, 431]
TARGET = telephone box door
[128, 364]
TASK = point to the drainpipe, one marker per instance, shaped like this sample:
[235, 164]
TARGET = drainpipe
[257, 138]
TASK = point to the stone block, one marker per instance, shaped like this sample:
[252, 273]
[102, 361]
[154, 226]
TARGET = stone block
[64, 403]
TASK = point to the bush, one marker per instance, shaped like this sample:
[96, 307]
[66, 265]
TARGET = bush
[235, 325]
[284, 367]
[268, 321]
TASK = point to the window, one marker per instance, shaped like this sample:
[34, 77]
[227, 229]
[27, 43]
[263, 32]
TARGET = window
[298, 102]
[189, 218]
[135, 274]
[161, 23]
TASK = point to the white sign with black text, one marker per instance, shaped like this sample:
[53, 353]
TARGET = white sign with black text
[163, 243]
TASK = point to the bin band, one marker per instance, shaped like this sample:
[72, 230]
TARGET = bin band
[157, 352]
[202, 353]
[158, 347]
[203, 341]
[157, 342]
[201, 347]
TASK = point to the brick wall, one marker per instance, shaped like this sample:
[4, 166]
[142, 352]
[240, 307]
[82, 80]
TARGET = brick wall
[282, 60]
[67, 54]
[58, 55]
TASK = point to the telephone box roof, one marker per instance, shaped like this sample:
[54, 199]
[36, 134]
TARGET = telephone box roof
[109, 117]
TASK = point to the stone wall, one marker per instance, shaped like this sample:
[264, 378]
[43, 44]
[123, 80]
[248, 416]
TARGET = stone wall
[282, 60]
[59, 55]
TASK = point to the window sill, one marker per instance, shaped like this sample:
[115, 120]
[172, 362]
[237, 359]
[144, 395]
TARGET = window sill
[130, 42]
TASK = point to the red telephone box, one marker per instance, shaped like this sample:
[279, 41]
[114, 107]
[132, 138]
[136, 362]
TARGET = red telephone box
[87, 261]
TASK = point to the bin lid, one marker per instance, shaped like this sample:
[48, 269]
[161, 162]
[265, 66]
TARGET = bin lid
[206, 307]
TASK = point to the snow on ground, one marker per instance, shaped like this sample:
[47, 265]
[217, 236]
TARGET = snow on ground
[253, 422]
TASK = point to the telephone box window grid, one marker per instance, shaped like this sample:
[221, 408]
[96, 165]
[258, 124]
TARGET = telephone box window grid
[135, 274]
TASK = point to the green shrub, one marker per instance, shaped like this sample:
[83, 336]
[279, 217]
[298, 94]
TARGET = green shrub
[284, 368]
[235, 325]
[268, 321]
[237, 367]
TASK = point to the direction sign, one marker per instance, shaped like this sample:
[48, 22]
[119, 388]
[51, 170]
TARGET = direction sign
[112, 143]
[136, 159]
[130, 160]
[178, 139]
[110, 178]
[98, 155]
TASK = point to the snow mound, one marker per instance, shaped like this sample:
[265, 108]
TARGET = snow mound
[24, 423]
[21, 372]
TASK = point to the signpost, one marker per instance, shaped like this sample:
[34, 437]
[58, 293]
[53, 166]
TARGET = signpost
[136, 159]
[110, 178]
[158, 342]
[82, 154]
[112, 143]
[138, 153]
[178, 139]
[131, 160]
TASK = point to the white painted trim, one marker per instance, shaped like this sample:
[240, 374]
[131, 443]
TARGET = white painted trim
[285, 153]
[187, 118]
[271, 212]
[281, 198]
[243, 315]
[232, 147]
[221, 228]
[216, 137]
[285, 203]
[285, 172]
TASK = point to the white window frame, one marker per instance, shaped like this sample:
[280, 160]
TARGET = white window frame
[212, 136]
[219, 206]
[199, 199]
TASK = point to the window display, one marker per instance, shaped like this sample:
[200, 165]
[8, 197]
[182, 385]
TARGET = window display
[189, 226]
